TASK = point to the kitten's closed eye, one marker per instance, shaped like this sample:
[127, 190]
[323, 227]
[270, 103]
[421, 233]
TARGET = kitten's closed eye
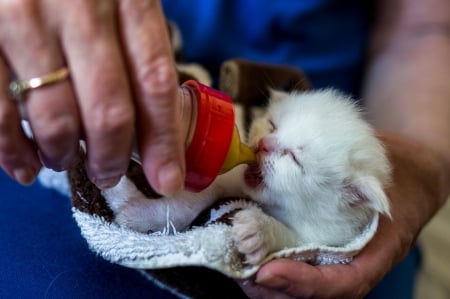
[272, 126]
[293, 156]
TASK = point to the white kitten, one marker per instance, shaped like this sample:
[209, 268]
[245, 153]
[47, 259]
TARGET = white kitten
[319, 177]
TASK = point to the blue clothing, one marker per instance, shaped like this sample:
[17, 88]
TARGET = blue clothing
[42, 253]
[326, 39]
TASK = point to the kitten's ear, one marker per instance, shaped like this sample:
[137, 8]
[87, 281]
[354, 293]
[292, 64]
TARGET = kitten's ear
[368, 191]
[277, 95]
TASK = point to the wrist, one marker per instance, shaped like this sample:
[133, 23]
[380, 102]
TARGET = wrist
[423, 162]
[420, 181]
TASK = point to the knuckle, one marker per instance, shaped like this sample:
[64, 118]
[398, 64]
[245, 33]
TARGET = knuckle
[7, 118]
[16, 8]
[8, 150]
[15, 12]
[112, 119]
[56, 130]
[157, 77]
[9, 140]
[92, 16]
[137, 9]
[8, 159]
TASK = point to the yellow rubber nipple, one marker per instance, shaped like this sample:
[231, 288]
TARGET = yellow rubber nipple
[238, 153]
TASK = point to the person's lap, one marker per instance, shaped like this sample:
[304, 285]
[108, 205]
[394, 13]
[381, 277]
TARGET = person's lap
[43, 254]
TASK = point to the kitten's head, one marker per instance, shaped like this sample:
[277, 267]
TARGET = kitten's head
[316, 143]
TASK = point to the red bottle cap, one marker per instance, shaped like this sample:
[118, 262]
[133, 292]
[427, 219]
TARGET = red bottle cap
[212, 137]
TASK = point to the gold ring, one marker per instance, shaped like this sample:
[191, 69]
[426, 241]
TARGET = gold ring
[19, 88]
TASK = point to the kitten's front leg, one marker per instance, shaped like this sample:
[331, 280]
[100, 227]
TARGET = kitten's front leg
[133, 210]
[257, 234]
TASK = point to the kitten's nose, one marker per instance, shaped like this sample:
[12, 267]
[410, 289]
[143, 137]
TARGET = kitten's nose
[266, 144]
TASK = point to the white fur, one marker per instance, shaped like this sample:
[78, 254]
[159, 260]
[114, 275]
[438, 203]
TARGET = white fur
[323, 174]
[132, 209]
[342, 170]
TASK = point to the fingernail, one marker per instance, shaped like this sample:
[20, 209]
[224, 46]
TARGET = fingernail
[170, 179]
[25, 176]
[60, 165]
[245, 282]
[271, 281]
[104, 183]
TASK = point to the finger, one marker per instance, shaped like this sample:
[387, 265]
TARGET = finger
[155, 84]
[99, 75]
[299, 279]
[353, 280]
[51, 110]
[17, 154]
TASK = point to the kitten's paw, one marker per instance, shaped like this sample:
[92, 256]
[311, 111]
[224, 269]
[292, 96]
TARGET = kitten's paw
[249, 235]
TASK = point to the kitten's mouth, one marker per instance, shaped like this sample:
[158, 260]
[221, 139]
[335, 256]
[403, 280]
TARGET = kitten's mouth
[253, 176]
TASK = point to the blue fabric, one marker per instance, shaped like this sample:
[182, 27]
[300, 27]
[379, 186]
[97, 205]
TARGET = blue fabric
[42, 254]
[399, 283]
[325, 38]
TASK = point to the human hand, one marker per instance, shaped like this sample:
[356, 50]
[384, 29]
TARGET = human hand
[291, 279]
[122, 77]
[421, 183]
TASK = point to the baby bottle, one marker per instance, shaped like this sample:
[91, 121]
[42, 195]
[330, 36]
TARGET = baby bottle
[212, 141]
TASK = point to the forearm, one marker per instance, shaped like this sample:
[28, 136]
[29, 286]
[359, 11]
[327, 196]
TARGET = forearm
[420, 185]
[407, 92]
